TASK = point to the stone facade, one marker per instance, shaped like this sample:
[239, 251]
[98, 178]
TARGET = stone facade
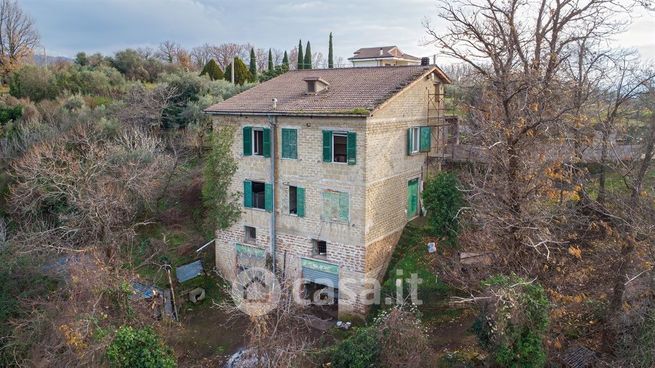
[377, 188]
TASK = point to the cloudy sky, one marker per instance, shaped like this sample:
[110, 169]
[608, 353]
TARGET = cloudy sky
[69, 26]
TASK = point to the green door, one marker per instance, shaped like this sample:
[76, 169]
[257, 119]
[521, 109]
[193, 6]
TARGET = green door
[412, 198]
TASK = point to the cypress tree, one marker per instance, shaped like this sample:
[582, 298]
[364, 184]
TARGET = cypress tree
[253, 66]
[301, 60]
[330, 54]
[285, 59]
[241, 72]
[270, 60]
[212, 70]
[308, 56]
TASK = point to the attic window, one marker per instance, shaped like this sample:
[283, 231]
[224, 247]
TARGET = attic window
[315, 85]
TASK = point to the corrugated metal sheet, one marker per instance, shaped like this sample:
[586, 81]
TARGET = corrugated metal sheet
[320, 277]
[189, 271]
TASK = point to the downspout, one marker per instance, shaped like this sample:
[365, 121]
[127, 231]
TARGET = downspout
[272, 121]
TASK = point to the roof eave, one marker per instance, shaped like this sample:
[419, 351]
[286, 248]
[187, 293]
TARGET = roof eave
[287, 113]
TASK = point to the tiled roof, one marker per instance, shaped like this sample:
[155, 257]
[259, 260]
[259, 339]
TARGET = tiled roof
[387, 52]
[350, 90]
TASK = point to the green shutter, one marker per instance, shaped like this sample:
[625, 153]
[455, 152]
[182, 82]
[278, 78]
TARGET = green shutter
[343, 206]
[300, 201]
[247, 194]
[351, 148]
[268, 197]
[289, 143]
[409, 141]
[267, 142]
[247, 141]
[425, 139]
[327, 146]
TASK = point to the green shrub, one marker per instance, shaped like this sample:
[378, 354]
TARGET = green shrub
[358, 351]
[443, 200]
[33, 82]
[8, 114]
[139, 348]
[514, 325]
[212, 70]
[241, 73]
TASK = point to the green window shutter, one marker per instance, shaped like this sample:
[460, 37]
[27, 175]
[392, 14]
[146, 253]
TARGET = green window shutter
[300, 201]
[425, 139]
[351, 148]
[268, 197]
[247, 141]
[267, 142]
[409, 141]
[327, 146]
[343, 206]
[289, 143]
[247, 194]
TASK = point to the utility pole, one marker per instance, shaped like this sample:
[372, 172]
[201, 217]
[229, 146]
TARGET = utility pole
[272, 120]
[234, 59]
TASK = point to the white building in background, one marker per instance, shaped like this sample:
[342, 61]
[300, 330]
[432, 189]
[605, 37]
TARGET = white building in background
[383, 56]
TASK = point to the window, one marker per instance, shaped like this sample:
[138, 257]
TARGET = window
[319, 247]
[336, 206]
[289, 143]
[418, 139]
[340, 147]
[293, 200]
[250, 235]
[414, 140]
[257, 195]
[258, 142]
[339, 150]
[296, 201]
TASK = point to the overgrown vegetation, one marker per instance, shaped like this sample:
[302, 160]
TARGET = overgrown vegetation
[443, 201]
[514, 322]
[139, 348]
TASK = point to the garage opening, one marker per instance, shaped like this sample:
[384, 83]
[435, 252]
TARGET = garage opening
[321, 286]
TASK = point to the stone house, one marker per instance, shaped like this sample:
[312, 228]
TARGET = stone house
[382, 56]
[331, 164]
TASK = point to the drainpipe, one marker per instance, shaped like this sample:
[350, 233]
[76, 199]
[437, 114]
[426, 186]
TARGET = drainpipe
[272, 121]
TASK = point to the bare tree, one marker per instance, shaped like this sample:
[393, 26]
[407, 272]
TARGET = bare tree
[146, 53]
[518, 50]
[224, 53]
[168, 51]
[201, 55]
[261, 56]
[18, 35]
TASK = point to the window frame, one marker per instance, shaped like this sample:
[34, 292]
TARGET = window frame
[344, 135]
[316, 248]
[256, 130]
[246, 237]
[414, 140]
[253, 182]
[293, 197]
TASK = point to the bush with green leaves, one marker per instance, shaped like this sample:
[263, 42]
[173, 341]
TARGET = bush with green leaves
[361, 350]
[212, 70]
[513, 325]
[33, 82]
[443, 200]
[139, 348]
